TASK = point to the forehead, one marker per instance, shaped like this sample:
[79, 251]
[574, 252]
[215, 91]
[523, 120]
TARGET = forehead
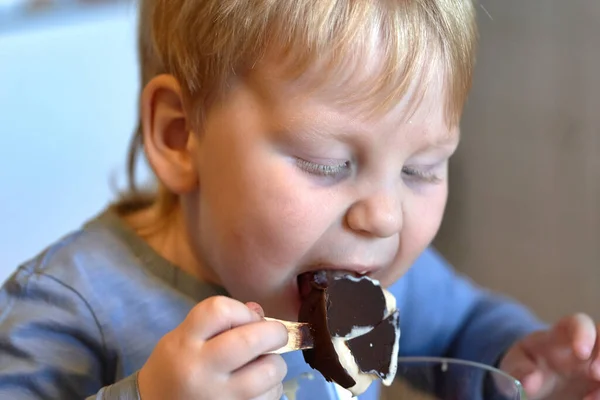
[344, 103]
[360, 79]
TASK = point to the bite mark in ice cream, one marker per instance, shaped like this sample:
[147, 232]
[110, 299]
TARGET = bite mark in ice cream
[355, 326]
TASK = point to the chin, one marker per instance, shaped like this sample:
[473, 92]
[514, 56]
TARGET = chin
[277, 301]
[285, 306]
[284, 310]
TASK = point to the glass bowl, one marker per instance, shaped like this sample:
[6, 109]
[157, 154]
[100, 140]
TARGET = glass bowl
[430, 378]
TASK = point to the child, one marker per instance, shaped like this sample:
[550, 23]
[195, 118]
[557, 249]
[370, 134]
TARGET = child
[286, 136]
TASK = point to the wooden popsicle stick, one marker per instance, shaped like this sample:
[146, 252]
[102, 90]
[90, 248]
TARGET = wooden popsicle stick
[299, 336]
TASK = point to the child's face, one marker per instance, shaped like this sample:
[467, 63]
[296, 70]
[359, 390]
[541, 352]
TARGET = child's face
[290, 182]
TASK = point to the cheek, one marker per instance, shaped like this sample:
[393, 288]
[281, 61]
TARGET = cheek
[284, 219]
[422, 218]
[261, 217]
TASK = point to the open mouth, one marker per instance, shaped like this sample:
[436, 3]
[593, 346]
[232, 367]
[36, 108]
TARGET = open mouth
[319, 278]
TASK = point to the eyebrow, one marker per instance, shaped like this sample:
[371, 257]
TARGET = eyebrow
[311, 131]
[323, 130]
[446, 140]
[449, 137]
[346, 131]
[315, 131]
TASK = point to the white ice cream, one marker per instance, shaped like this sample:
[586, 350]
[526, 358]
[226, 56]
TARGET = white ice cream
[348, 361]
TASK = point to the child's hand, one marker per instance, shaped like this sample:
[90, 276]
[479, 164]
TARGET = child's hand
[562, 363]
[217, 353]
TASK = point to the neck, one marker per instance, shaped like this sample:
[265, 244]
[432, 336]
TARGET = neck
[168, 236]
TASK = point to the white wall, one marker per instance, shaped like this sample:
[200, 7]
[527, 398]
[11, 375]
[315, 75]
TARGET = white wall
[68, 92]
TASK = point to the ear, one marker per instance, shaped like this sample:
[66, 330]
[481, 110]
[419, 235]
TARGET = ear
[168, 141]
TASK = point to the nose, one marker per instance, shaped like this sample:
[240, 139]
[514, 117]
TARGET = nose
[378, 215]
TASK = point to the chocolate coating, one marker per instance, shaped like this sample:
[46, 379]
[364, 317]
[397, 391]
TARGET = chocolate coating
[322, 356]
[335, 305]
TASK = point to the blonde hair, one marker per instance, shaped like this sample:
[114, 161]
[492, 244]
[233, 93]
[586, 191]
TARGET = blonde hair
[204, 44]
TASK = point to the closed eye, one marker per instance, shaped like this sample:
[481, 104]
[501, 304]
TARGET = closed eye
[421, 175]
[323, 170]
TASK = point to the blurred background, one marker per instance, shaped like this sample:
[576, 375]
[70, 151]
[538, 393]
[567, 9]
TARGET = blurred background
[524, 210]
[68, 106]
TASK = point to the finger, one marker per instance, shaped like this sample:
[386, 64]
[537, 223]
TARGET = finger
[533, 383]
[259, 377]
[274, 394]
[595, 365]
[237, 347]
[521, 366]
[216, 315]
[256, 308]
[578, 332]
[518, 365]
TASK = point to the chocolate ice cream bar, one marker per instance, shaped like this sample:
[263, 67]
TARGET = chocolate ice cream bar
[355, 328]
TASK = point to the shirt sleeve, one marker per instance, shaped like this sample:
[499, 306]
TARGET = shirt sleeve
[126, 389]
[51, 344]
[446, 314]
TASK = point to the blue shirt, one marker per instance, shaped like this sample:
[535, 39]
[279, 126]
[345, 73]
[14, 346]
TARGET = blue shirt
[80, 319]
